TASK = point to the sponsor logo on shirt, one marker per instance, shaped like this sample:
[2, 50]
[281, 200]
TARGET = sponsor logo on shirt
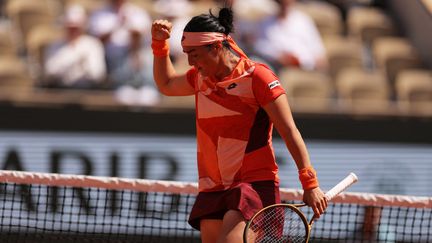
[274, 84]
[232, 86]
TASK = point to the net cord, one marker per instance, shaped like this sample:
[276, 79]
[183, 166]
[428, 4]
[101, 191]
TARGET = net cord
[144, 185]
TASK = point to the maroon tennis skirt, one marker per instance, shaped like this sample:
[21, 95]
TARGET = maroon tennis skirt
[247, 198]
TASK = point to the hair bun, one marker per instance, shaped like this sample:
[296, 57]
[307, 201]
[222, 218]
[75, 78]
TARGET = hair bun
[226, 18]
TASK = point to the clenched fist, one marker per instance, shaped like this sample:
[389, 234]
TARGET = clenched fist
[161, 29]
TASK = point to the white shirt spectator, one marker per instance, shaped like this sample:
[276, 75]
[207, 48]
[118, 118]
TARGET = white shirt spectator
[77, 61]
[71, 62]
[295, 34]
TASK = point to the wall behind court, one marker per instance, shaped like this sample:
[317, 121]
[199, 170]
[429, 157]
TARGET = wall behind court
[394, 168]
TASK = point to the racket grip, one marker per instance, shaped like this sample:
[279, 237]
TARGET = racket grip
[341, 186]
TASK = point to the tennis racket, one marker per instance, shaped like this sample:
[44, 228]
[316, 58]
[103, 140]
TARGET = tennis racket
[286, 222]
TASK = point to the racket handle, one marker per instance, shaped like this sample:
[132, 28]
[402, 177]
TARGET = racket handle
[341, 186]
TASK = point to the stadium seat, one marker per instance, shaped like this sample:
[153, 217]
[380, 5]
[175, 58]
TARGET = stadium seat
[7, 46]
[414, 91]
[13, 73]
[368, 23]
[307, 90]
[39, 38]
[326, 16]
[26, 15]
[393, 54]
[362, 91]
[343, 53]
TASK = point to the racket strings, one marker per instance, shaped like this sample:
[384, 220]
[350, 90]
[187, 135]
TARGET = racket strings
[278, 224]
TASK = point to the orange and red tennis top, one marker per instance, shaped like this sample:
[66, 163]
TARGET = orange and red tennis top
[233, 130]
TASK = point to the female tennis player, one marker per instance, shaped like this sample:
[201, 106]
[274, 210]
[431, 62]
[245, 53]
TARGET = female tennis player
[237, 103]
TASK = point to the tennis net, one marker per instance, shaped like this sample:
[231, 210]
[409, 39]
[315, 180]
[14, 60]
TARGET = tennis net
[44, 207]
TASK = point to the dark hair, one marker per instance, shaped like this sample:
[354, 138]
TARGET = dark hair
[210, 23]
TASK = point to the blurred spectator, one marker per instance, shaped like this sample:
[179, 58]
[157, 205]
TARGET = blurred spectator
[249, 14]
[290, 38]
[77, 61]
[116, 25]
[133, 76]
[136, 66]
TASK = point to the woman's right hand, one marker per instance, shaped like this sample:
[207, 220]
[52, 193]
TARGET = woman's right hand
[161, 29]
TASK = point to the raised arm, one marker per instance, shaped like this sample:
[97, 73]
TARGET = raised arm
[168, 82]
[281, 116]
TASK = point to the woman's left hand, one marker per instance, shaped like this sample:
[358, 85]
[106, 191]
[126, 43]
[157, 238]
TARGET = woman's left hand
[315, 199]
